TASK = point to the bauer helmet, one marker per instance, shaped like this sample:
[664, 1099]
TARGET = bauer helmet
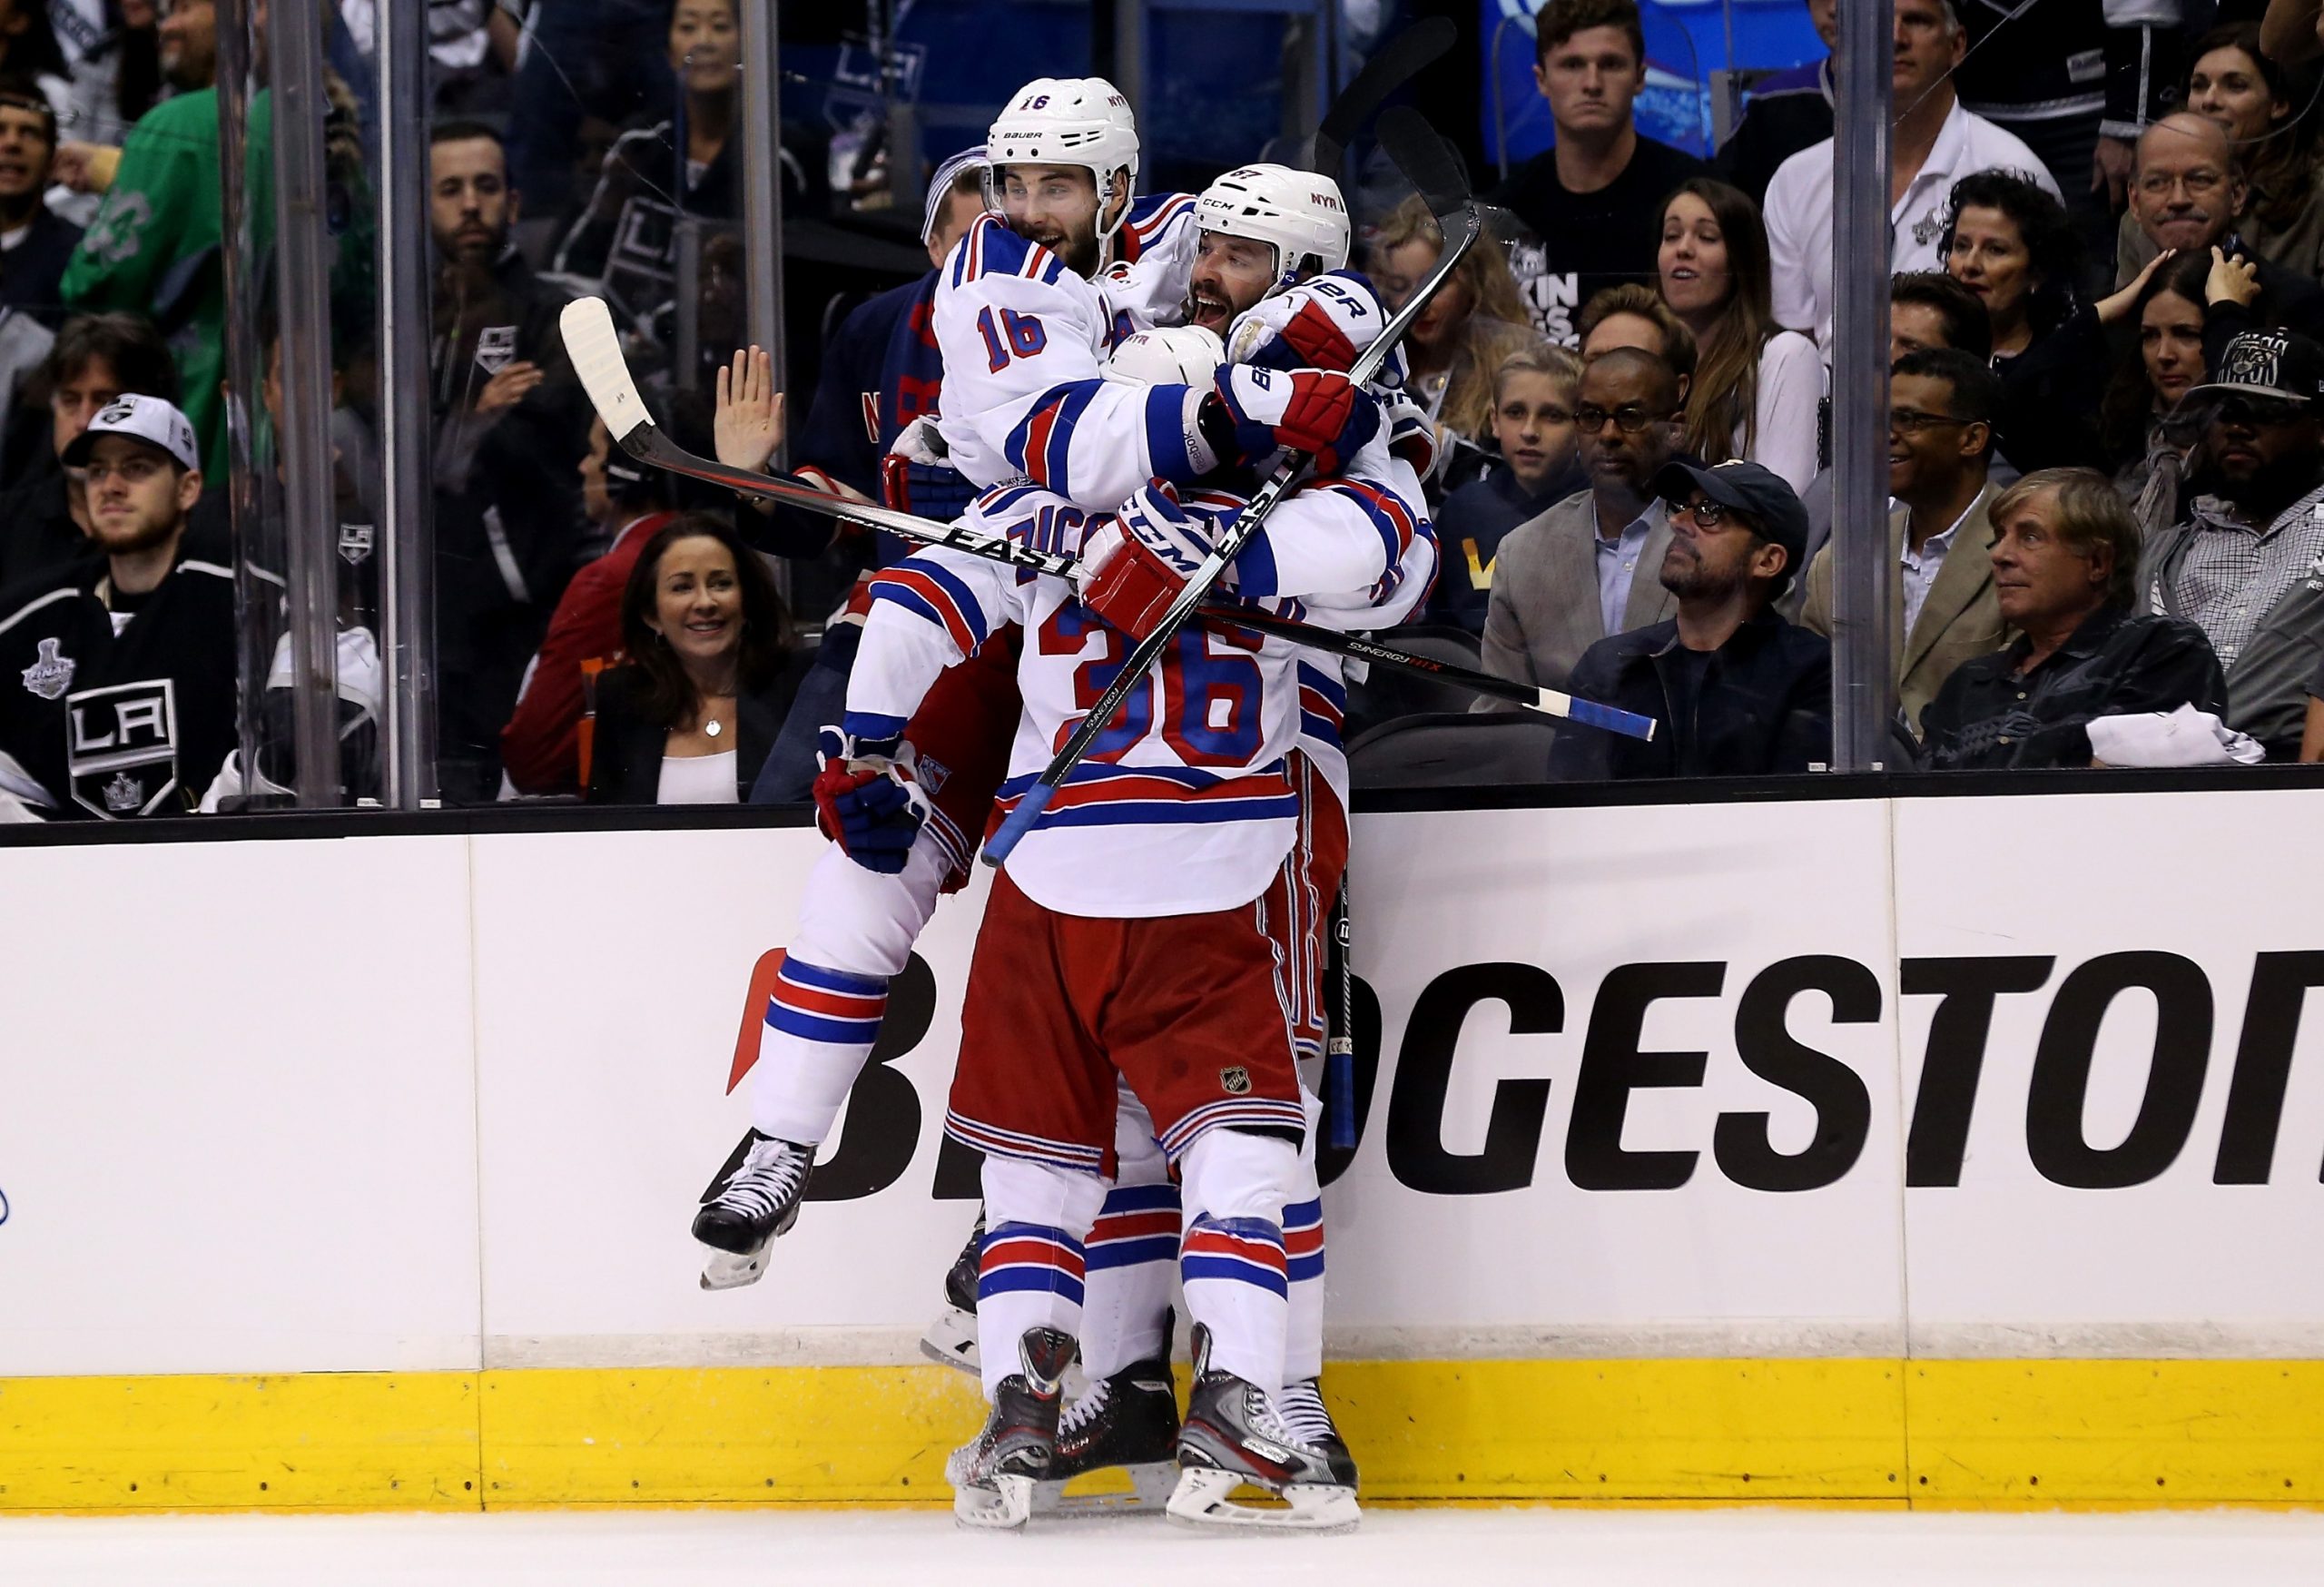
[1300, 212]
[1167, 355]
[1068, 121]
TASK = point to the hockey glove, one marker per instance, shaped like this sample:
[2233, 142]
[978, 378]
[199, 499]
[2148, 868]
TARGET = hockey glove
[1134, 567]
[1412, 436]
[867, 800]
[1319, 324]
[1317, 411]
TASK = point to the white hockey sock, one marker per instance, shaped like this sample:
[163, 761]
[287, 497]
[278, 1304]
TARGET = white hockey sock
[1033, 1261]
[1232, 1261]
[856, 929]
[1133, 1261]
[1303, 1251]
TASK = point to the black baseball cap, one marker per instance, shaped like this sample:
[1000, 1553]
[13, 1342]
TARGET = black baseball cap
[2281, 364]
[1760, 494]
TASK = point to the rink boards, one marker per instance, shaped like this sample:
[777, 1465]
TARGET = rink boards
[1952, 1152]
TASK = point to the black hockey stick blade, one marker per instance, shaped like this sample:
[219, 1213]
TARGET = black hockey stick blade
[1426, 160]
[1392, 66]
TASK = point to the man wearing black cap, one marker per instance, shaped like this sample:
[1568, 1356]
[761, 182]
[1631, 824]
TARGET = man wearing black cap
[2247, 567]
[117, 684]
[1736, 689]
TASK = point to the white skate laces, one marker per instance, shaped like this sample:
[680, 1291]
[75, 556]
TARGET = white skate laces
[769, 1178]
[1088, 1408]
[1299, 1413]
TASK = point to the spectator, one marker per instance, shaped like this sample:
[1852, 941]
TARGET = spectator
[1787, 111]
[1634, 315]
[34, 245]
[626, 235]
[1568, 579]
[97, 360]
[2268, 114]
[690, 715]
[540, 746]
[2142, 429]
[1533, 398]
[2186, 193]
[1927, 308]
[1736, 690]
[1941, 409]
[1757, 387]
[2243, 567]
[1935, 143]
[2011, 243]
[129, 664]
[2064, 548]
[160, 217]
[1592, 200]
[117, 58]
[31, 55]
[1475, 322]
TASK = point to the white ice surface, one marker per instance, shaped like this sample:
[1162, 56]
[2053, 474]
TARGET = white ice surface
[1598, 1548]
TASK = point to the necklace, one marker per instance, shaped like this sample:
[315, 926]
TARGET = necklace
[714, 727]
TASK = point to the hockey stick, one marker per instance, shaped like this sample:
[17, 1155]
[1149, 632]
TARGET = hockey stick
[595, 348]
[1431, 167]
[1392, 66]
[1339, 1050]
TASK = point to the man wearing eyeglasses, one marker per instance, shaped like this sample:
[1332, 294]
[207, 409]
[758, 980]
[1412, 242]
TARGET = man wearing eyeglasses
[2247, 567]
[1737, 690]
[117, 680]
[1585, 568]
[2185, 194]
[1941, 409]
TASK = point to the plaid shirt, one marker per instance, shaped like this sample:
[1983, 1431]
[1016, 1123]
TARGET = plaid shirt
[1990, 717]
[2233, 573]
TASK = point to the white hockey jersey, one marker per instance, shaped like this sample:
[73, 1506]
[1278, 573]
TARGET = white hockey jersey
[1024, 340]
[1182, 806]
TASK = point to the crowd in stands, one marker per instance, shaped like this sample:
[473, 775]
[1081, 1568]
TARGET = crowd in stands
[2105, 431]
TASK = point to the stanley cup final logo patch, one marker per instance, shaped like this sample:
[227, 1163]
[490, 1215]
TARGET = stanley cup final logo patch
[2255, 359]
[50, 674]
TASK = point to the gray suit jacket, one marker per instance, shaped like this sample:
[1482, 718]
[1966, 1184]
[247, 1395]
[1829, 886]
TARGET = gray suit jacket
[1961, 618]
[1544, 610]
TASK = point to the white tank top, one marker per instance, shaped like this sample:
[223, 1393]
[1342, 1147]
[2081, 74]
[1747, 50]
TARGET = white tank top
[698, 780]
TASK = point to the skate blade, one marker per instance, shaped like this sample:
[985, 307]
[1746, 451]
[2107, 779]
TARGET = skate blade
[1202, 1499]
[1149, 1490]
[952, 1339]
[732, 1269]
[1005, 1506]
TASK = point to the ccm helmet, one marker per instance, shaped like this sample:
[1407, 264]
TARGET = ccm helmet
[1167, 355]
[1068, 121]
[1300, 212]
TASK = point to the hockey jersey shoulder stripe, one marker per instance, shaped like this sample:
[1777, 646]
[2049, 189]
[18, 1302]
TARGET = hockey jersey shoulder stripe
[1151, 219]
[990, 248]
[937, 594]
[35, 604]
[1041, 444]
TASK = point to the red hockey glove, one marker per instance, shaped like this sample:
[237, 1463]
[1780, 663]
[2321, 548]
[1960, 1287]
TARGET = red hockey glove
[867, 801]
[1134, 567]
[1319, 411]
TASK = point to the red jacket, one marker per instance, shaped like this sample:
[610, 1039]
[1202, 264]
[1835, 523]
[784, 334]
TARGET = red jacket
[540, 747]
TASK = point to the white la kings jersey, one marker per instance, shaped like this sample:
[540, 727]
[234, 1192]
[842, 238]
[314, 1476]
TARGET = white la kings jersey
[1185, 805]
[1024, 341]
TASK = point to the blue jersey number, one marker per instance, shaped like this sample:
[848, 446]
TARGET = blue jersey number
[1019, 336]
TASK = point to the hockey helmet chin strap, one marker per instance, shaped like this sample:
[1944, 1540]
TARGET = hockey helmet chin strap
[995, 179]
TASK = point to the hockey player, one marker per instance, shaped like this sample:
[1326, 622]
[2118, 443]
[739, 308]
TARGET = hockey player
[1153, 923]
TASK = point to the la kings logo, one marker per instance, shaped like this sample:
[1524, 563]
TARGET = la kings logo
[121, 748]
[50, 674]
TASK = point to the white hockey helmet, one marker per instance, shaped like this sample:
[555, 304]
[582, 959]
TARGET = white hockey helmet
[1167, 355]
[1068, 121]
[1299, 211]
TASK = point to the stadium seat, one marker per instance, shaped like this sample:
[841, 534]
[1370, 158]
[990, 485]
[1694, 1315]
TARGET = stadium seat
[1388, 694]
[1448, 749]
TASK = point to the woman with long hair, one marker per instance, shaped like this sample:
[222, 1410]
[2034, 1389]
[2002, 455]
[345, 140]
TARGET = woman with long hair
[1471, 328]
[2146, 440]
[1758, 387]
[708, 676]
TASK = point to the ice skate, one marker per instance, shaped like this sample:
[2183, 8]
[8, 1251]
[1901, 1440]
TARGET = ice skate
[1232, 1436]
[993, 1475]
[951, 1338]
[1126, 1423]
[754, 1198]
[1299, 1410]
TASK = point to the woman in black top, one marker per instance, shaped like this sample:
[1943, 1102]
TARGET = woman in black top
[710, 672]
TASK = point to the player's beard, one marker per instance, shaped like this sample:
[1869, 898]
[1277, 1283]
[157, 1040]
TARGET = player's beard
[1209, 304]
[1077, 247]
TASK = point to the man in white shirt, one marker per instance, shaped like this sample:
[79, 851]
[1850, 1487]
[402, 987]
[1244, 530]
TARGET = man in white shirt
[1934, 143]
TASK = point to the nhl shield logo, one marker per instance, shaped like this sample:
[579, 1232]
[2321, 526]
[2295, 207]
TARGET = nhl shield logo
[50, 674]
[1235, 1080]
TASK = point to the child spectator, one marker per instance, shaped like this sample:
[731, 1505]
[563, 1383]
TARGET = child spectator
[1534, 395]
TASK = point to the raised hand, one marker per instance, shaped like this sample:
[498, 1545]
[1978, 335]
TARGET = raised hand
[748, 425]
